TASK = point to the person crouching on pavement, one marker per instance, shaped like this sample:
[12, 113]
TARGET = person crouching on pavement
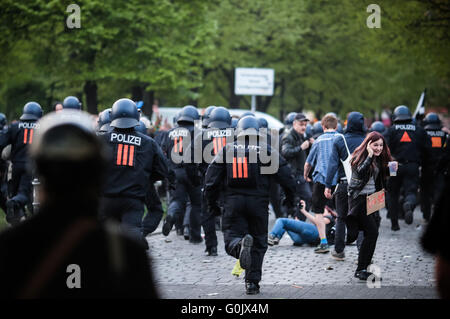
[300, 231]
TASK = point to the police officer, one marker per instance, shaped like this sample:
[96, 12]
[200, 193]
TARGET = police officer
[408, 144]
[432, 180]
[3, 167]
[218, 134]
[20, 136]
[135, 164]
[72, 102]
[104, 121]
[180, 149]
[239, 168]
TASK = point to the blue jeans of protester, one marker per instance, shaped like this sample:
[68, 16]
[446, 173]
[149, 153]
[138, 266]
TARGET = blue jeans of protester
[299, 231]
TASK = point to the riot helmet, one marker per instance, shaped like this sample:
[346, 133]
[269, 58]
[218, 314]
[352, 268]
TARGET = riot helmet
[124, 114]
[32, 111]
[219, 118]
[402, 113]
[72, 102]
[188, 114]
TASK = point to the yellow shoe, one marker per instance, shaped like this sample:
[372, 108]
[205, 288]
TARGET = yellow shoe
[237, 270]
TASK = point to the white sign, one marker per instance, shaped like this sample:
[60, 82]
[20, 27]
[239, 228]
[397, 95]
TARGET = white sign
[252, 81]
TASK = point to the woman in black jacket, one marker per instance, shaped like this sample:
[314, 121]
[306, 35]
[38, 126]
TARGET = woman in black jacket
[369, 175]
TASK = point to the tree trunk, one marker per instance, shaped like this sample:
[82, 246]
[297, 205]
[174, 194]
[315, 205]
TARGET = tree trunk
[90, 91]
[148, 98]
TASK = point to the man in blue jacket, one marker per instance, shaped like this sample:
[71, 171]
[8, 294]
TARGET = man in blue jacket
[354, 135]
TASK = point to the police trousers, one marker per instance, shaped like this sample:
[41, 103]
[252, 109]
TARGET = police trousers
[127, 211]
[246, 215]
[178, 203]
[20, 187]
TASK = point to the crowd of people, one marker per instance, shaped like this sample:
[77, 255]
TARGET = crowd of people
[95, 180]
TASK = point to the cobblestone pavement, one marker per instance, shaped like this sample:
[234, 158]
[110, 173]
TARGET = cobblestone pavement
[182, 270]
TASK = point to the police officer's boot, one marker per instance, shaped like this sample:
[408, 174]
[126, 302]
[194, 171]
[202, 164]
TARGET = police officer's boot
[407, 207]
[14, 213]
[211, 251]
[251, 288]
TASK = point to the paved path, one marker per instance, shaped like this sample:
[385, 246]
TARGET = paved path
[183, 271]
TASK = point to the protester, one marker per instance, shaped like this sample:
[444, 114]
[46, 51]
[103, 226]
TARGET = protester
[343, 147]
[319, 158]
[369, 175]
[293, 146]
[300, 232]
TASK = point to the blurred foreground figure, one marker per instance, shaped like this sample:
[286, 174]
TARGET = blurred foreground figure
[63, 251]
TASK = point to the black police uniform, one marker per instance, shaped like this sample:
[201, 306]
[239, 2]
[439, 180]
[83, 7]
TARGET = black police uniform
[3, 176]
[135, 164]
[20, 136]
[178, 144]
[408, 144]
[432, 180]
[246, 199]
[214, 140]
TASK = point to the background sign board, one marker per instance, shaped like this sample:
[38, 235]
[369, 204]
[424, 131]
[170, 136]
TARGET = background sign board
[254, 81]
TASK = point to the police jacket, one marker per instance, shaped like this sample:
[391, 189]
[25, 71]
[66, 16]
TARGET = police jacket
[213, 140]
[136, 161]
[437, 139]
[235, 169]
[19, 135]
[354, 135]
[179, 147]
[361, 175]
[407, 142]
[291, 150]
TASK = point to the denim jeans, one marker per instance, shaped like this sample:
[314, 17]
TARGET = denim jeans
[299, 231]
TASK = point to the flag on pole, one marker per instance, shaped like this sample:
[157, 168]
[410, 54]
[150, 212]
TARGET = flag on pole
[420, 109]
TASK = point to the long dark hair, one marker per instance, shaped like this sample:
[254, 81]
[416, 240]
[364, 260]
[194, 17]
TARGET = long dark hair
[360, 154]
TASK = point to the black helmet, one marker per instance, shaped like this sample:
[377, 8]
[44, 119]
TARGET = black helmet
[247, 113]
[2, 120]
[234, 122]
[309, 130]
[432, 122]
[124, 114]
[219, 118]
[104, 120]
[317, 129]
[378, 126]
[141, 128]
[247, 125]
[31, 111]
[262, 122]
[206, 115]
[72, 102]
[189, 114]
[402, 113]
[289, 119]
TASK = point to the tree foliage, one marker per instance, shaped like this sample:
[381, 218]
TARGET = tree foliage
[324, 55]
